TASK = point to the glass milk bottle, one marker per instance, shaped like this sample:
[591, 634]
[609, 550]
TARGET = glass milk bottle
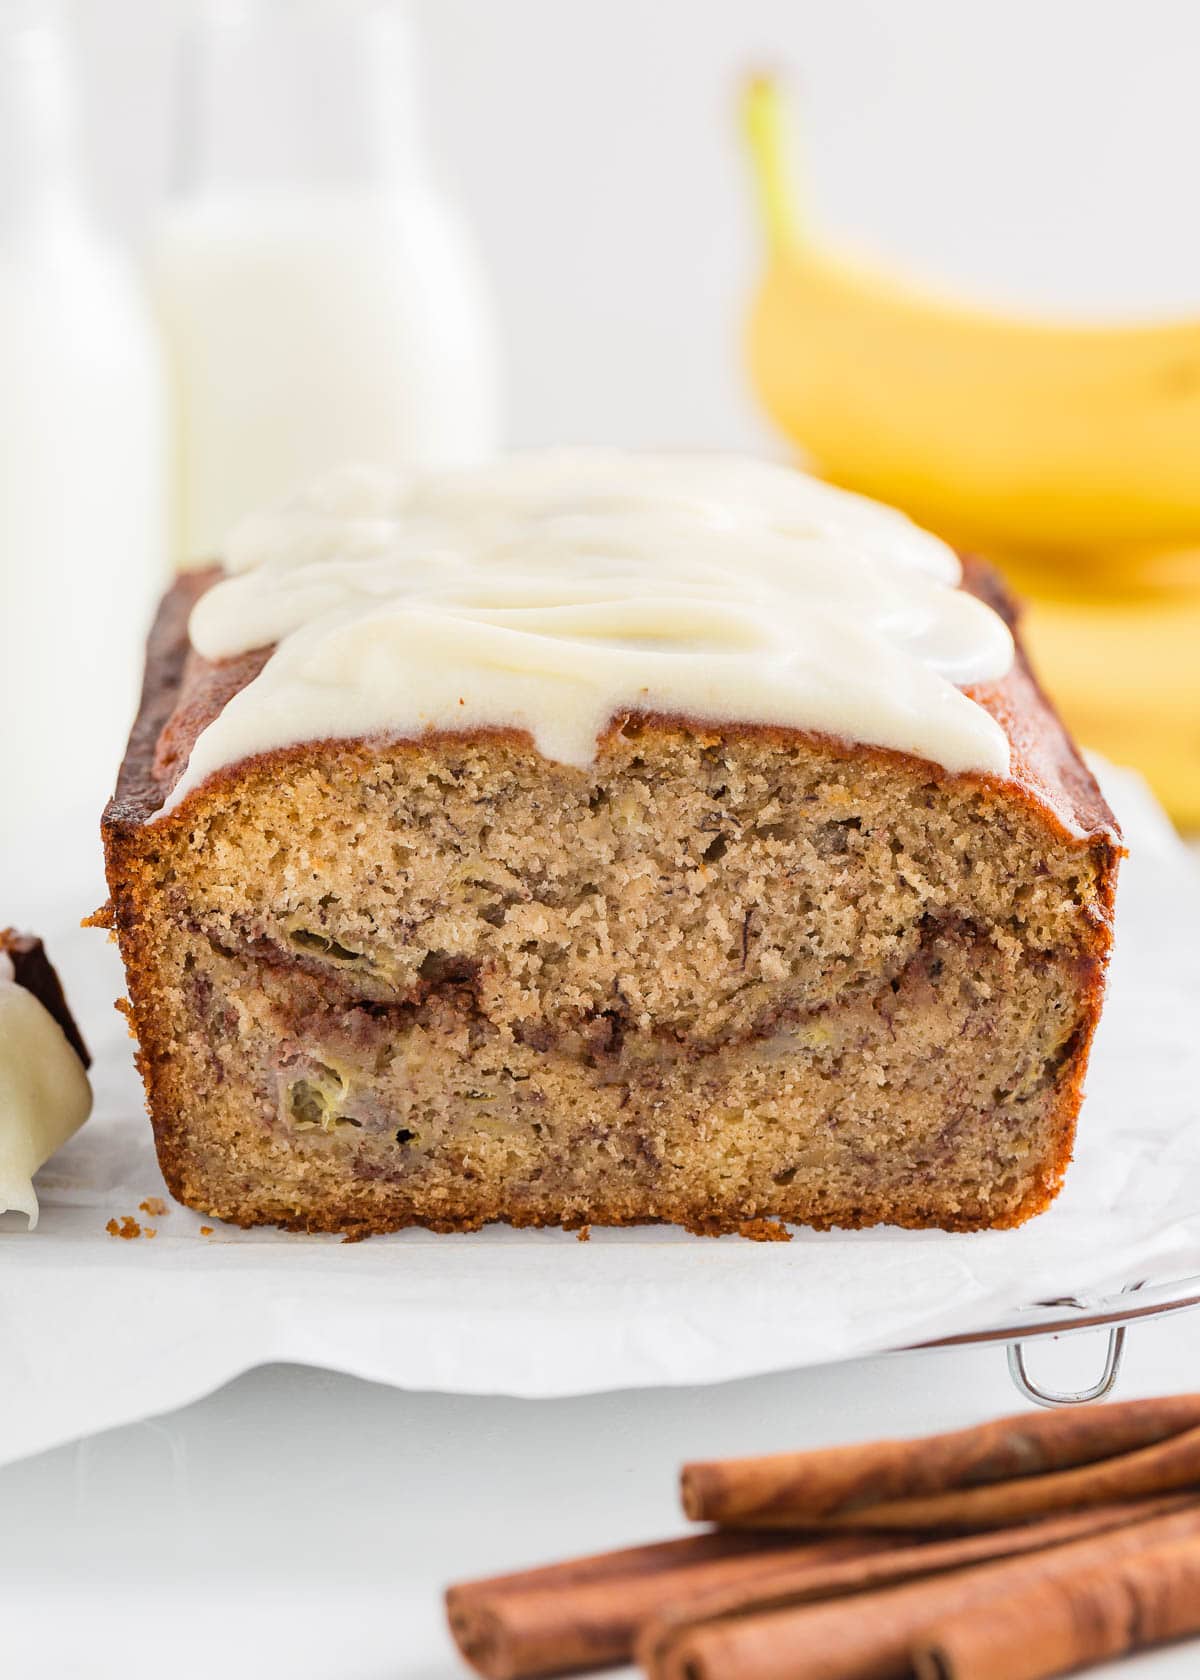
[82, 469]
[321, 297]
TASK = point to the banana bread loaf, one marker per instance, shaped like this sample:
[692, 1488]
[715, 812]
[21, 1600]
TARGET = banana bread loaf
[747, 958]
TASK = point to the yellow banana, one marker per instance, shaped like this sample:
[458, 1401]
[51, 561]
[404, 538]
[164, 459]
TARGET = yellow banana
[995, 431]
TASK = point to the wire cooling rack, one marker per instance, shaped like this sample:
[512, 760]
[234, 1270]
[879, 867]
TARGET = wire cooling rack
[1069, 1315]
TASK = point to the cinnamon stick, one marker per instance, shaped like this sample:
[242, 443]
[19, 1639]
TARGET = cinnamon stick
[584, 1613]
[872, 1638]
[784, 1583]
[1061, 1625]
[1167, 1467]
[814, 1488]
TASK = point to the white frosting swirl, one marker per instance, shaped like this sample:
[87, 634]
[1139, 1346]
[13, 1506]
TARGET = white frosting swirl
[553, 590]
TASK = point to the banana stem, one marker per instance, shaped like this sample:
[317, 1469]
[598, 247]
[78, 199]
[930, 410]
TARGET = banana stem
[765, 123]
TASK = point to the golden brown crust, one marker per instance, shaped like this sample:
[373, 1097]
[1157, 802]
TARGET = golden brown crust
[1047, 766]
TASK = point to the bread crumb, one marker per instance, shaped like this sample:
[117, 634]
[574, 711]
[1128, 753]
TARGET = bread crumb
[149, 1231]
[764, 1230]
[154, 1206]
[126, 1227]
[584, 1234]
[206, 1230]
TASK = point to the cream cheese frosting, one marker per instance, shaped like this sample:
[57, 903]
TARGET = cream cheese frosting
[553, 590]
[44, 1092]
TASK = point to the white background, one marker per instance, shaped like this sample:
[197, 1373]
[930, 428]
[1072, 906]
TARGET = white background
[1043, 152]
[1039, 151]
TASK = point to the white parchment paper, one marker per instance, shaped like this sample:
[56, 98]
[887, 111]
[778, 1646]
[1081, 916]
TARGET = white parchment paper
[95, 1331]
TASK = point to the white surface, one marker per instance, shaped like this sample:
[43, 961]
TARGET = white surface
[554, 590]
[304, 1524]
[538, 1313]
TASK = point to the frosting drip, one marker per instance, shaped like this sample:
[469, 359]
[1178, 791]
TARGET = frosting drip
[554, 590]
[44, 1092]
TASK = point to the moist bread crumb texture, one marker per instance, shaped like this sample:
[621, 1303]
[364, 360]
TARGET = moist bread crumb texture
[725, 975]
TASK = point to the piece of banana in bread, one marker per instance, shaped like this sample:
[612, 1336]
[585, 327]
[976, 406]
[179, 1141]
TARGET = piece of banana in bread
[729, 965]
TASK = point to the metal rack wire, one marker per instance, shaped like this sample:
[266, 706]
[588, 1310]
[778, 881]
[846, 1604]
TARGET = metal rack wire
[1068, 1315]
